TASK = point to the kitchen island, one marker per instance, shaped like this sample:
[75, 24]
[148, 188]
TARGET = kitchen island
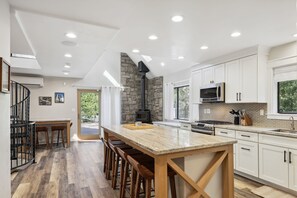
[204, 163]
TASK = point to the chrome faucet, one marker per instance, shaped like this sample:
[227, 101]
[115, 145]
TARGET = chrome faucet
[292, 123]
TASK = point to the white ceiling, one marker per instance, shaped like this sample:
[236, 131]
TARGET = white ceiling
[126, 25]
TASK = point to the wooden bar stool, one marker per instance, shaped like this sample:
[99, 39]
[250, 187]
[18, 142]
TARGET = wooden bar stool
[124, 170]
[145, 172]
[41, 129]
[61, 130]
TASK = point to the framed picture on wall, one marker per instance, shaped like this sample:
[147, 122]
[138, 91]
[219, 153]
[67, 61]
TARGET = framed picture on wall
[59, 97]
[45, 100]
[4, 76]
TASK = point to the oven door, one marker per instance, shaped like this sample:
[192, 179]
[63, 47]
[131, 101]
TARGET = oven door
[202, 131]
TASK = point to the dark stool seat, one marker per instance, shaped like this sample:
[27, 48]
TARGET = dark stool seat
[41, 129]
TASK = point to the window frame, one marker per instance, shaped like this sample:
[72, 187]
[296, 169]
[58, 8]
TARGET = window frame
[177, 102]
[278, 99]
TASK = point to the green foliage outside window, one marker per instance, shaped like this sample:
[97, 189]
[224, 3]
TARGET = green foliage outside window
[89, 106]
[181, 102]
[287, 97]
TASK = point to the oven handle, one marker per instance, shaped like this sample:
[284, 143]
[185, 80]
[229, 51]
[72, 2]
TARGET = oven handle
[202, 131]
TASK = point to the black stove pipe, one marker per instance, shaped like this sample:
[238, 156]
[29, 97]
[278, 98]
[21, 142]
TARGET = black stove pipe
[142, 68]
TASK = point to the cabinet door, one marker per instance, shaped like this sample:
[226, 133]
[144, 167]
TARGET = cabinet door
[249, 79]
[293, 169]
[207, 76]
[247, 157]
[233, 81]
[219, 73]
[196, 80]
[273, 164]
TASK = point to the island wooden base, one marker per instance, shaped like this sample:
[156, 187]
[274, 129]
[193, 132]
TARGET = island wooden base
[222, 157]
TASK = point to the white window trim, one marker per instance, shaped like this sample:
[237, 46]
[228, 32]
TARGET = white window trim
[272, 90]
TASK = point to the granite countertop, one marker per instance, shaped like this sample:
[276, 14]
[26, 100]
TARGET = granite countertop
[256, 129]
[161, 140]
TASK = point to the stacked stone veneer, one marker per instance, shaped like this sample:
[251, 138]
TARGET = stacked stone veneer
[220, 111]
[155, 98]
[131, 96]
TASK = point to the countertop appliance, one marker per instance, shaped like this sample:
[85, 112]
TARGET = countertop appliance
[206, 126]
[211, 93]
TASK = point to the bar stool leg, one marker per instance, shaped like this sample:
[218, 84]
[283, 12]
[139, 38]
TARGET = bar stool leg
[137, 186]
[115, 171]
[63, 141]
[172, 186]
[125, 175]
[148, 187]
[53, 133]
[58, 137]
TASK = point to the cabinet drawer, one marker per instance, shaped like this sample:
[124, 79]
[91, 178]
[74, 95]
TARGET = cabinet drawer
[225, 132]
[185, 126]
[278, 141]
[248, 136]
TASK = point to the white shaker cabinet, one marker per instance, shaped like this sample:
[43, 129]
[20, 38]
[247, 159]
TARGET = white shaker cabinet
[247, 157]
[241, 80]
[293, 169]
[273, 165]
[215, 74]
[196, 81]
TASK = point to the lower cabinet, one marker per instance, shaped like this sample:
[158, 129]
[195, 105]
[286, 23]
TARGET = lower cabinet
[273, 164]
[293, 169]
[247, 157]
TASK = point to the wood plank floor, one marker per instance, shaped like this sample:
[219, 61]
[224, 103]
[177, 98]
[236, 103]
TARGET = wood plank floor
[77, 172]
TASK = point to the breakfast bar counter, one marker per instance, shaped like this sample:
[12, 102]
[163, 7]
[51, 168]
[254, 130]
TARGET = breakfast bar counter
[196, 158]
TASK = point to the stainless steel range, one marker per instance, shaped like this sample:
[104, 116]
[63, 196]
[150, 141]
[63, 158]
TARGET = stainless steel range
[206, 126]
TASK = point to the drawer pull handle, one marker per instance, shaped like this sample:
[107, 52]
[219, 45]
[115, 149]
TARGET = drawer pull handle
[224, 132]
[246, 149]
[290, 157]
[285, 156]
[246, 136]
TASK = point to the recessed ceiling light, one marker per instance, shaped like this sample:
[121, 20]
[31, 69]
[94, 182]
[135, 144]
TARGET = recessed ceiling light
[67, 65]
[180, 58]
[66, 73]
[68, 55]
[135, 50]
[177, 18]
[153, 37]
[235, 34]
[295, 35]
[71, 35]
[204, 47]
[162, 64]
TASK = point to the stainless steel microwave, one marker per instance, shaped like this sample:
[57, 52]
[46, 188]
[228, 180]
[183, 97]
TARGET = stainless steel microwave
[211, 93]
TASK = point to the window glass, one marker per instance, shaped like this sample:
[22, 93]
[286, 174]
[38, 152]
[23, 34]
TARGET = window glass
[181, 102]
[287, 97]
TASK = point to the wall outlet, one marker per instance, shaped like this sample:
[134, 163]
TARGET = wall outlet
[262, 112]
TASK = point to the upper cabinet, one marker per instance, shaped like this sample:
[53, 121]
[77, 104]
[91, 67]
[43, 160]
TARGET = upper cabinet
[215, 74]
[196, 82]
[242, 80]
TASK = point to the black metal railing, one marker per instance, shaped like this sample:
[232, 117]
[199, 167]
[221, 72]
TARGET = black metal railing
[22, 131]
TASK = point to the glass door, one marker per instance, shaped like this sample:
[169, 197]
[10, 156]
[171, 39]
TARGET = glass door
[88, 114]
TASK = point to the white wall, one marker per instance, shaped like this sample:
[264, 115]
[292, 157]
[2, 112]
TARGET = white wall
[5, 105]
[109, 61]
[68, 109]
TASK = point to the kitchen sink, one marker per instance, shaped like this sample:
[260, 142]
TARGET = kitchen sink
[284, 130]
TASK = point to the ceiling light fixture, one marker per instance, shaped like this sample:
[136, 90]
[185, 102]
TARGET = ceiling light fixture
[68, 55]
[204, 47]
[162, 64]
[15, 55]
[70, 35]
[67, 65]
[153, 37]
[235, 34]
[180, 58]
[135, 50]
[177, 18]
[66, 73]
